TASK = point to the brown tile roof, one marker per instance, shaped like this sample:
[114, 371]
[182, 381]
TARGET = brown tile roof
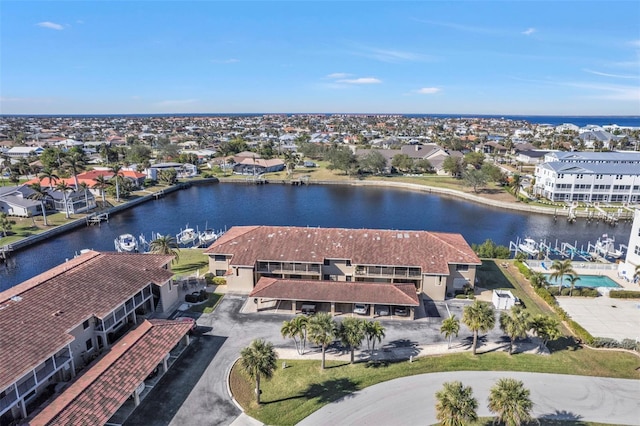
[98, 393]
[432, 251]
[92, 284]
[336, 291]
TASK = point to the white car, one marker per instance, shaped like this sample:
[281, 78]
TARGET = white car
[361, 309]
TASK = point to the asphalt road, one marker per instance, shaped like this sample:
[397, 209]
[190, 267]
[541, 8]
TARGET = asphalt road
[411, 400]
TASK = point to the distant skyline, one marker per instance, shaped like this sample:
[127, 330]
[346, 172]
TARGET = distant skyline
[430, 57]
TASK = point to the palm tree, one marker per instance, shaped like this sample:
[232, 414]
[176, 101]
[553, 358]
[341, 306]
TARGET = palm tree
[510, 401]
[6, 224]
[75, 161]
[515, 324]
[296, 329]
[165, 244]
[85, 188]
[572, 279]
[455, 404]
[478, 316]
[560, 269]
[322, 330]
[116, 169]
[537, 280]
[351, 333]
[546, 327]
[102, 184]
[64, 189]
[450, 327]
[258, 360]
[40, 194]
[373, 331]
[50, 175]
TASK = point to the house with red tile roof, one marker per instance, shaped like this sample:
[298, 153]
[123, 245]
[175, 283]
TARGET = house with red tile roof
[56, 323]
[344, 266]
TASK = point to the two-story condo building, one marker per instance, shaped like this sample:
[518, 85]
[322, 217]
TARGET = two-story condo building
[345, 266]
[56, 323]
[589, 176]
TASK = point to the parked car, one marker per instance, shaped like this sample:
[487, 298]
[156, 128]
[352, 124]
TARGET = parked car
[361, 309]
[402, 311]
[308, 309]
[382, 310]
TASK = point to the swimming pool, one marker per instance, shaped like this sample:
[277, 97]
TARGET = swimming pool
[592, 281]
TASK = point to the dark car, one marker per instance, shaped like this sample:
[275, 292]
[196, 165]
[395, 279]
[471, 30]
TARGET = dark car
[383, 310]
[402, 311]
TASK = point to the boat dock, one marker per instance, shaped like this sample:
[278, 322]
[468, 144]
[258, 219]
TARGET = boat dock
[96, 218]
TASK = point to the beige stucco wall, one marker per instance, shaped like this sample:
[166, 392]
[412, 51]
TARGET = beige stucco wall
[168, 294]
[79, 345]
[434, 286]
[240, 280]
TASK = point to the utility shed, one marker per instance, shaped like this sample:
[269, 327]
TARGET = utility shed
[503, 299]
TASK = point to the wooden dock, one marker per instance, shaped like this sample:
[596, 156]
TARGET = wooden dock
[96, 219]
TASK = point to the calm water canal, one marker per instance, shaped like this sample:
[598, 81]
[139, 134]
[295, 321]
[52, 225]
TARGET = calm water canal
[226, 205]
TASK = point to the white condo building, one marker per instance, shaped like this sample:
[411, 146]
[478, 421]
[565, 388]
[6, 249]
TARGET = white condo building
[632, 260]
[589, 176]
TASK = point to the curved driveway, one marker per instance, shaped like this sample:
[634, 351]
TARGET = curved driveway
[411, 400]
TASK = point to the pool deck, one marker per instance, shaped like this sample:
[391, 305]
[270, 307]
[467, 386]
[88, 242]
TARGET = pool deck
[603, 316]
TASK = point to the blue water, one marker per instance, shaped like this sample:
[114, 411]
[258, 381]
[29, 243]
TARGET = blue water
[578, 120]
[225, 205]
[592, 281]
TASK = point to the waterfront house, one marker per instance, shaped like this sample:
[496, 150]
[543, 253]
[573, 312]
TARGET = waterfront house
[55, 324]
[15, 201]
[589, 176]
[257, 166]
[321, 264]
[24, 151]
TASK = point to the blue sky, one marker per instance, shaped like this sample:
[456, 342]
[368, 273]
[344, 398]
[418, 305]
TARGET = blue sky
[453, 57]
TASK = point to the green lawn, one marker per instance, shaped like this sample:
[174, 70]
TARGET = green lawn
[191, 260]
[302, 388]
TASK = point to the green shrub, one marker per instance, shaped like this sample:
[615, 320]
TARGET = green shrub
[546, 295]
[219, 281]
[624, 294]
[524, 270]
[580, 332]
[607, 342]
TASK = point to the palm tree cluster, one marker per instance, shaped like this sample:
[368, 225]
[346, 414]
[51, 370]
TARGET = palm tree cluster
[509, 400]
[322, 330]
[562, 268]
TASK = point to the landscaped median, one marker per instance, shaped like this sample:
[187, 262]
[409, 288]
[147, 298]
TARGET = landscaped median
[302, 387]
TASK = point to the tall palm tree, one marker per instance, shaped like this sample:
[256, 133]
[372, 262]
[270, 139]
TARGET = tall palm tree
[322, 330]
[537, 280]
[561, 268]
[511, 402]
[515, 323]
[351, 333]
[50, 175]
[116, 169]
[75, 161]
[64, 189]
[296, 329]
[102, 184]
[40, 194]
[258, 360]
[478, 316]
[455, 404]
[165, 244]
[373, 331]
[572, 280]
[450, 327]
[85, 188]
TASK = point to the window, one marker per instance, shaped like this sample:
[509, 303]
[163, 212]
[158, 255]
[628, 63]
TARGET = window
[220, 272]
[348, 278]
[220, 258]
[89, 344]
[462, 268]
[327, 262]
[637, 250]
[85, 324]
[348, 262]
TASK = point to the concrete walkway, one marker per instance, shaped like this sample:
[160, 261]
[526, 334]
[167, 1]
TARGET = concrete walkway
[411, 400]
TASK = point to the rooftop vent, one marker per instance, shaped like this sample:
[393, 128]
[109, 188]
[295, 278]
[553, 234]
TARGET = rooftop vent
[58, 313]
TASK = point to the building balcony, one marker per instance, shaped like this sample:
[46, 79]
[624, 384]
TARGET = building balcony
[9, 399]
[288, 268]
[388, 272]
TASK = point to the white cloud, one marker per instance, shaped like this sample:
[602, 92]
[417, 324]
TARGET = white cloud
[50, 25]
[225, 61]
[604, 74]
[635, 43]
[339, 75]
[361, 80]
[428, 90]
[529, 31]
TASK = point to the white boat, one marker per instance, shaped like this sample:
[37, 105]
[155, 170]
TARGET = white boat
[605, 247]
[207, 237]
[529, 246]
[126, 243]
[186, 236]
